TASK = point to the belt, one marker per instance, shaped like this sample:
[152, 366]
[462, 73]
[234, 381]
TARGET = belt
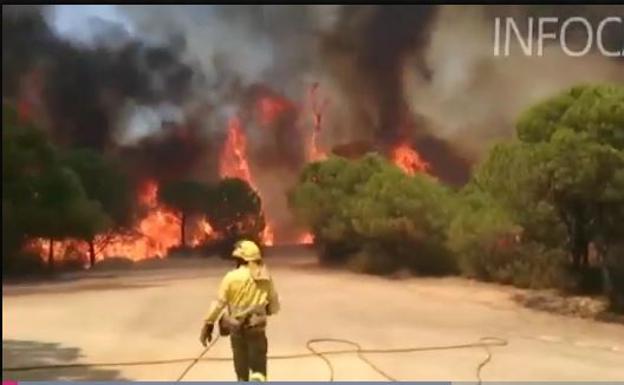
[228, 324]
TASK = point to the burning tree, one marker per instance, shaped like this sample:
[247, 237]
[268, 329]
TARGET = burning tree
[104, 182]
[187, 197]
[234, 211]
[373, 214]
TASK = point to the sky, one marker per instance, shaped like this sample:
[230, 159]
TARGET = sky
[74, 21]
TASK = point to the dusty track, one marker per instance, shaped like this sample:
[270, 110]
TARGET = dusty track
[154, 314]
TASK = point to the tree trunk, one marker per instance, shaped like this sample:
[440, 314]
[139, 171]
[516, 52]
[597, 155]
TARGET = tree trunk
[51, 254]
[580, 252]
[91, 253]
[183, 230]
[579, 243]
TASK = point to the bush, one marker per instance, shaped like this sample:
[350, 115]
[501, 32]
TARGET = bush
[490, 246]
[614, 278]
[375, 217]
[428, 258]
[616, 294]
[234, 211]
[373, 260]
[527, 265]
[114, 263]
[22, 264]
[181, 252]
[72, 264]
[331, 252]
[151, 263]
[215, 248]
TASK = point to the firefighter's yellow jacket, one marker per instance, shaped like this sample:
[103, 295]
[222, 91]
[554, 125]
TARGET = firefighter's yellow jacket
[246, 287]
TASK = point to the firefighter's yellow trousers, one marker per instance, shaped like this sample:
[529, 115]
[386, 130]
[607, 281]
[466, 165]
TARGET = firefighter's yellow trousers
[249, 348]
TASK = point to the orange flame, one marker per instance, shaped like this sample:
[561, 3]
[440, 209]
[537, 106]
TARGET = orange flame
[233, 163]
[306, 239]
[152, 237]
[29, 100]
[270, 108]
[314, 151]
[408, 160]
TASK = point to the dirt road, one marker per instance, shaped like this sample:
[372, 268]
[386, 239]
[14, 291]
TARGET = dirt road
[155, 315]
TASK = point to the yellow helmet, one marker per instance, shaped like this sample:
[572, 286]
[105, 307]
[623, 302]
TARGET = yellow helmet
[247, 250]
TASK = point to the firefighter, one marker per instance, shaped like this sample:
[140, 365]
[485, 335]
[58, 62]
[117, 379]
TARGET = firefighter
[248, 296]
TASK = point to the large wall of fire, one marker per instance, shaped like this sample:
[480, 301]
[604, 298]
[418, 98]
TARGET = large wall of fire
[256, 92]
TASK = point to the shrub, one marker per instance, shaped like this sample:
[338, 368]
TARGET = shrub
[332, 252]
[613, 273]
[490, 246]
[371, 214]
[428, 258]
[72, 264]
[181, 252]
[22, 264]
[528, 265]
[114, 263]
[234, 211]
[374, 260]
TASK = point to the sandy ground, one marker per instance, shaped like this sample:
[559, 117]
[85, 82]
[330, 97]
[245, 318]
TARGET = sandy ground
[155, 314]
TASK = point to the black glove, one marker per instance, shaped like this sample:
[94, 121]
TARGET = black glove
[206, 334]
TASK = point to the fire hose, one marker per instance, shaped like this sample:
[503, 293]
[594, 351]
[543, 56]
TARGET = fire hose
[485, 342]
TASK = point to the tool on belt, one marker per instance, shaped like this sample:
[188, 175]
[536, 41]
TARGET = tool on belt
[254, 317]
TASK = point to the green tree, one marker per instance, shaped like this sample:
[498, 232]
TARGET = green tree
[234, 210]
[568, 162]
[318, 201]
[62, 210]
[490, 245]
[597, 111]
[42, 197]
[186, 197]
[105, 182]
[404, 218]
[515, 176]
[565, 173]
[26, 152]
[370, 212]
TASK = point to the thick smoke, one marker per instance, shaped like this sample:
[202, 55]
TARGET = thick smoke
[258, 63]
[367, 52]
[161, 97]
[473, 97]
[102, 96]
[438, 62]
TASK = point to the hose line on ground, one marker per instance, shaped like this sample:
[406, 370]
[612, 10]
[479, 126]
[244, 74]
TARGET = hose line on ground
[203, 353]
[484, 342]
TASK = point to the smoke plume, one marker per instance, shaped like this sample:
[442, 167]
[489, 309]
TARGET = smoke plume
[161, 96]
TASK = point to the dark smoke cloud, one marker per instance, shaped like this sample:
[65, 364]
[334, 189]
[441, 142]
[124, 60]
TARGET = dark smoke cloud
[86, 89]
[368, 52]
[395, 73]
[167, 157]
[273, 45]
[474, 98]
[373, 42]
[278, 142]
[25, 41]
[399, 84]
